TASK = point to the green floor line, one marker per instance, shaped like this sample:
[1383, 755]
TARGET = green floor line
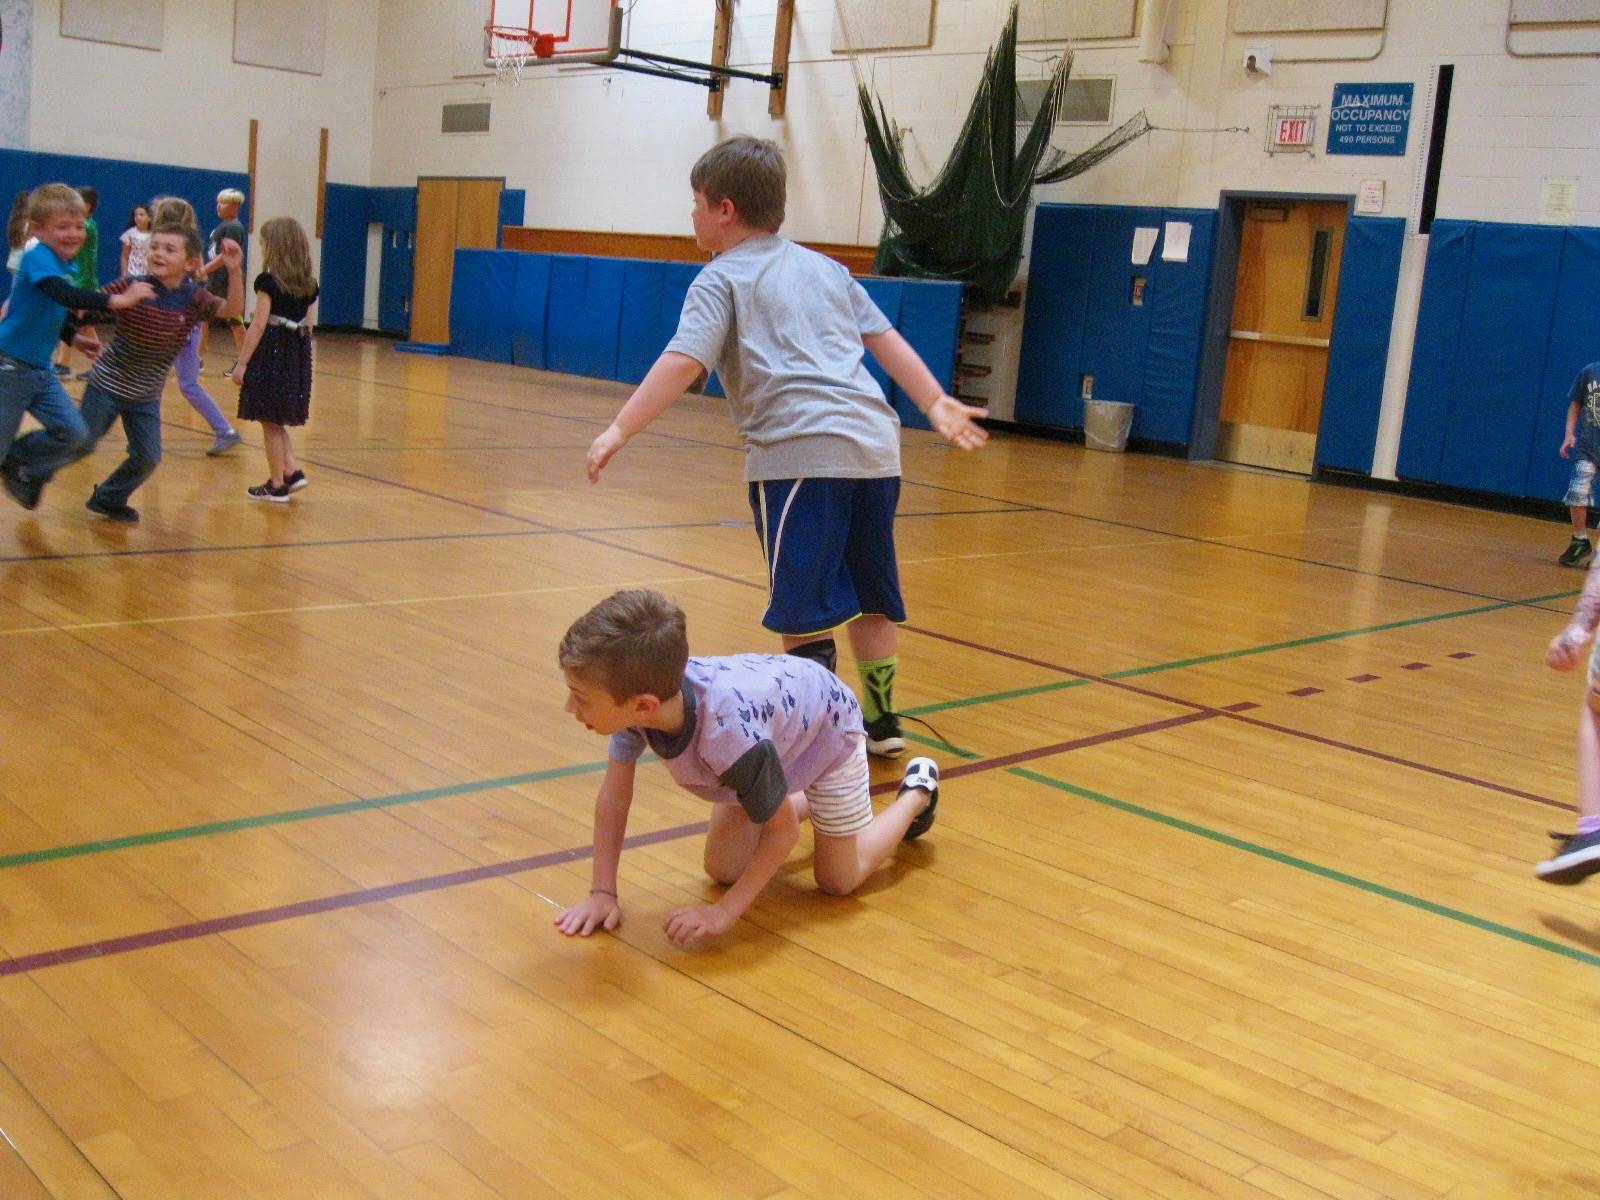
[486, 785]
[294, 814]
[994, 697]
[1314, 639]
[1301, 864]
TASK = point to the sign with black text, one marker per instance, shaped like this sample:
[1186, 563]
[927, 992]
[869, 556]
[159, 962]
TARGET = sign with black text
[1370, 118]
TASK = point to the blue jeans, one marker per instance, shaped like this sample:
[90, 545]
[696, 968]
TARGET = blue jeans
[27, 388]
[141, 421]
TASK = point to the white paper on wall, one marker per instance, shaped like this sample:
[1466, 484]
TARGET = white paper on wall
[1144, 241]
[1558, 200]
[1175, 248]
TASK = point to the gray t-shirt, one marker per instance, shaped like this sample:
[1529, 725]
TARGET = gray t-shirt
[782, 327]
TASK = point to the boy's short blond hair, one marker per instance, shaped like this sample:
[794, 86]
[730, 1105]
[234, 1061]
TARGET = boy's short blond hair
[632, 643]
[230, 196]
[750, 172]
[53, 198]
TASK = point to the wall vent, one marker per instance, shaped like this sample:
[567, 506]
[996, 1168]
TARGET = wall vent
[472, 117]
[1088, 100]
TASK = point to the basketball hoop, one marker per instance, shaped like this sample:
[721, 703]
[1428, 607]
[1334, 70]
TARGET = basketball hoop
[510, 48]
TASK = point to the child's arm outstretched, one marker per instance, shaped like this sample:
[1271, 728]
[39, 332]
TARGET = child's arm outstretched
[668, 379]
[779, 833]
[233, 256]
[601, 909]
[951, 419]
[1567, 646]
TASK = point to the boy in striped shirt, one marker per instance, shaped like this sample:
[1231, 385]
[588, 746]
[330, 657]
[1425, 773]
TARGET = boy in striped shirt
[127, 378]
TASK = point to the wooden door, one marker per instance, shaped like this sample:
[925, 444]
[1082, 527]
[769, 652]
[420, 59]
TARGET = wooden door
[1289, 259]
[451, 213]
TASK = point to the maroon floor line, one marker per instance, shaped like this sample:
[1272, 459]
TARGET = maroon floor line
[1382, 756]
[306, 908]
[432, 883]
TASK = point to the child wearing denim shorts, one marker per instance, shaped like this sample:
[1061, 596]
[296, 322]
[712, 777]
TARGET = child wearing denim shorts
[1582, 445]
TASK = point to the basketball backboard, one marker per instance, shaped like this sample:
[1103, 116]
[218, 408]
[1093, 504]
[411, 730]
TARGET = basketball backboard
[551, 31]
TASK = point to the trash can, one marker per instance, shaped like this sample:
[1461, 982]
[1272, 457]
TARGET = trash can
[1106, 424]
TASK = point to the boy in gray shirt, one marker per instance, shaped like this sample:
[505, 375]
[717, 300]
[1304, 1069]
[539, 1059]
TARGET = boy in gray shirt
[786, 330]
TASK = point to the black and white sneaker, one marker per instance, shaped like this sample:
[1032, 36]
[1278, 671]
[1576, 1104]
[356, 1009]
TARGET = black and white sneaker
[1577, 553]
[884, 739]
[1578, 858]
[273, 493]
[295, 480]
[921, 773]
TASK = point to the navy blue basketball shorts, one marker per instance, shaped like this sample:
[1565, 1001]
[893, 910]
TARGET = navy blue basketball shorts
[829, 545]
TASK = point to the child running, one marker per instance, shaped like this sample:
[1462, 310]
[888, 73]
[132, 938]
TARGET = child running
[1578, 856]
[34, 322]
[126, 380]
[170, 210]
[769, 739]
[274, 368]
[786, 330]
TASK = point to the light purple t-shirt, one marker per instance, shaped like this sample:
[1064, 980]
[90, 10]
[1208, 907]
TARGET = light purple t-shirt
[732, 705]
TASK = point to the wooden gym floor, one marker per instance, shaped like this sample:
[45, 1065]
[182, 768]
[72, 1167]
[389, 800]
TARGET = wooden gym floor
[1230, 893]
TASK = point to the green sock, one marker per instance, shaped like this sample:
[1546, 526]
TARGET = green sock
[877, 686]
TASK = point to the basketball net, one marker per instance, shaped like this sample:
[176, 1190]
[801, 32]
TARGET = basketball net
[510, 55]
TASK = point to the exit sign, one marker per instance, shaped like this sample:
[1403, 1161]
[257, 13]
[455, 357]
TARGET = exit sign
[1293, 131]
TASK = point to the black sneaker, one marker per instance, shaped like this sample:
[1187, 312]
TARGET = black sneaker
[1577, 553]
[922, 773]
[883, 737]
[125, 513]
[295, 480]
[23, 490]
[1577, 859]
[274, 493]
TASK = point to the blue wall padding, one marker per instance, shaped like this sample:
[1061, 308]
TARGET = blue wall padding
[1058, 302]
[482, 314]
[513, 202]
[1507, 320]
[584, 314]
[121, 184]
[609, 318]
[888, 295]
[1574, 344]
[1369, 279]
[646, 324]
[529, 299]
[1116, 333]
[1081, 318]
[1435, 349]
[1505, 335]
[343, 276]
[930, 319]
[1177, 298]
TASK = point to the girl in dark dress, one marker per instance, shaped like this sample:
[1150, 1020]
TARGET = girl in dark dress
[274, 370]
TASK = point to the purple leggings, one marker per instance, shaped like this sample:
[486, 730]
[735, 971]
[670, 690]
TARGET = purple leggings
[188, 368]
